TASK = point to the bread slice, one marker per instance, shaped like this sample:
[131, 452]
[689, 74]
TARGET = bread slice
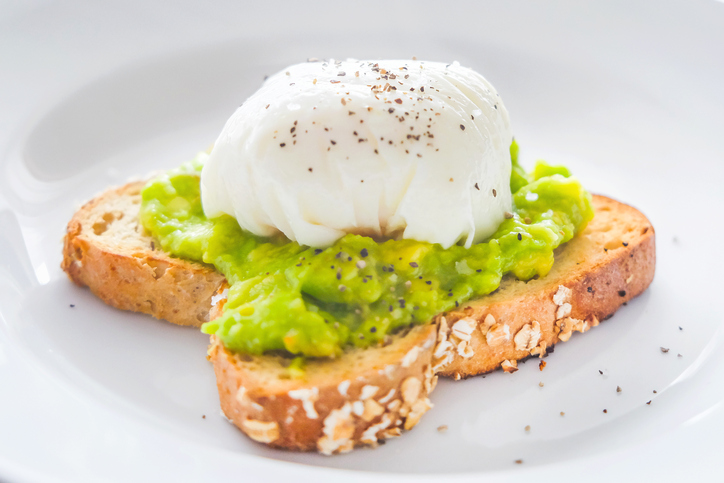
[608, 264]
[106, 249]
[364, 396]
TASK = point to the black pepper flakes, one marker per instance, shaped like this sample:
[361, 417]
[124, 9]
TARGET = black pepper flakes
[462, 127]
[621, 293]
[414, 264]
[363, 253]
[282, 144]
[477, 187]
[520, 237]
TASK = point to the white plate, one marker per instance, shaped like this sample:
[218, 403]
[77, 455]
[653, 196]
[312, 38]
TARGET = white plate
[628, 95]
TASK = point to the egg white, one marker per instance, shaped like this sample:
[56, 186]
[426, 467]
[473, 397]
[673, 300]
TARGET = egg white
[390, 148]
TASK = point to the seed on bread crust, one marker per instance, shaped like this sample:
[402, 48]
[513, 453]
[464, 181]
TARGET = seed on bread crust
[540, 349]
[261, 431]
[527, 337]
[410, 389]
[387, 397]
[372, 409]
[307, 396]
[509, 366]
[564, 310]
[338, 431]
[562, 296]
[418, 408]
[498, 334]
[488, 322]
[369, 436]
[245, 400]
[410, 357]
[463, 328]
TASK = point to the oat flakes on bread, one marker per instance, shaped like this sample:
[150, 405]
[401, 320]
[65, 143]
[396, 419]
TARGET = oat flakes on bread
[354, 397]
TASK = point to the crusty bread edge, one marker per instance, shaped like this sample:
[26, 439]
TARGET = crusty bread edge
[336, 414]
[497, 331]
[143, 280]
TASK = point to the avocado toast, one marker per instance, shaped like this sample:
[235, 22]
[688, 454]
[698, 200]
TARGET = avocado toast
[366, 394]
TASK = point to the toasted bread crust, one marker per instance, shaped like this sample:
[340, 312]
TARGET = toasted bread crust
[610, 263]
[107, 250]
[365, 396]
[358, 398]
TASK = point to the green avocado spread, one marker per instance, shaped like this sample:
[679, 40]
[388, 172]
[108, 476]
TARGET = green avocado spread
[315, 302]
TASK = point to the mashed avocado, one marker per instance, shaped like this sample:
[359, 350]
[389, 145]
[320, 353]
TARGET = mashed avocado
[314, 302]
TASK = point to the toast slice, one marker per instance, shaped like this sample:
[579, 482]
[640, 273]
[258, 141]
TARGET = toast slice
[364, 396]
[611, 262]
[106, 249]
[361, 398]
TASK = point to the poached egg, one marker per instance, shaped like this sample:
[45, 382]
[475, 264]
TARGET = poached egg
[393, 148]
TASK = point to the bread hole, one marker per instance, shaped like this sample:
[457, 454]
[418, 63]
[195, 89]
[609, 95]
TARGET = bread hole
[101, 226]
[202, 316]
[159, 268]
[78, 254]
[645, 230]
[151, 305]
[604, 208]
